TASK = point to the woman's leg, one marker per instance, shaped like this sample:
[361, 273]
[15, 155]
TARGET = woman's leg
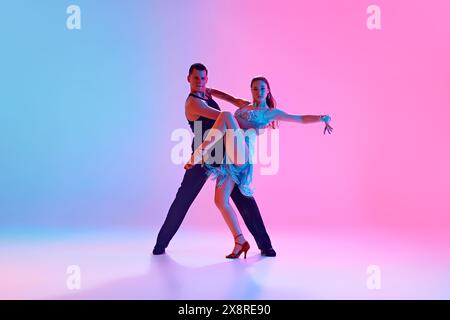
[222, 201]
[225, 124]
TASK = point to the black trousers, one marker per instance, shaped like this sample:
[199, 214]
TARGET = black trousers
[192, 183]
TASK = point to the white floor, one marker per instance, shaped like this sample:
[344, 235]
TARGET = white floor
[314, 263]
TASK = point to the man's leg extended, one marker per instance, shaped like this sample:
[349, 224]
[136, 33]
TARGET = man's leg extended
[192, 183]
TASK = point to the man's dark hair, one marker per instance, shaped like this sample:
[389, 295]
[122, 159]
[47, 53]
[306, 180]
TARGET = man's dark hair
[198, 66]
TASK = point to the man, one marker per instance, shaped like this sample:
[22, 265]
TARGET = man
[200, 107]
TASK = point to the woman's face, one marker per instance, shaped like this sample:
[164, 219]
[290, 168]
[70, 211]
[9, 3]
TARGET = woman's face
[259, 90]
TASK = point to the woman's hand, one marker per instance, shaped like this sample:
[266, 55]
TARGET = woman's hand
[326, 118]
[327, 128]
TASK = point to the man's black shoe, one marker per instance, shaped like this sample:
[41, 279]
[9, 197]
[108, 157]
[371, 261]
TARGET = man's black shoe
[158, 251]
[268, 252]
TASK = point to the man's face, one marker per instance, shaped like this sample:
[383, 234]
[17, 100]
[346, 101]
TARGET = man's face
[198, 79]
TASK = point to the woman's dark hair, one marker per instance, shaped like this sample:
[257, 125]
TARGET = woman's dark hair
[199, 67]
[270, 100]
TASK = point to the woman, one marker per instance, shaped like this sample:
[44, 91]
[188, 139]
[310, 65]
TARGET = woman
[238, 169]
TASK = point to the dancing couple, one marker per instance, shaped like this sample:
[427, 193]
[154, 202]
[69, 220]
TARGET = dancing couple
[233, 170]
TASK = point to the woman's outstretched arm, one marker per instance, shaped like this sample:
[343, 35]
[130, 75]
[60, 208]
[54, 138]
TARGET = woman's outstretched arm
[226, 97]
[280, 115]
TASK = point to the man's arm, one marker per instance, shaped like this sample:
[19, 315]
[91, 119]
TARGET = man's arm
[195, 108]
[240, 103]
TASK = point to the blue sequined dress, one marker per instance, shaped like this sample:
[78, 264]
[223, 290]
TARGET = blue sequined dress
[242, 175]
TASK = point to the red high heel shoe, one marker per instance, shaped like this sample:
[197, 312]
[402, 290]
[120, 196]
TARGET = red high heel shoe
[244, 248]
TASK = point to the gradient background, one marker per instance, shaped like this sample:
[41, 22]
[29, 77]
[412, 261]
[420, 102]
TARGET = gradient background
[87, 114]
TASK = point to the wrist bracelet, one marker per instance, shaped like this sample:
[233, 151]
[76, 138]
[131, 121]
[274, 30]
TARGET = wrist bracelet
[325, 118]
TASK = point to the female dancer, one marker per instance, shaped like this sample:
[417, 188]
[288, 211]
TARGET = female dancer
[262, 113]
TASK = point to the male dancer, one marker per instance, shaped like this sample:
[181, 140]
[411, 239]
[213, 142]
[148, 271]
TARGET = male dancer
[200, 107]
